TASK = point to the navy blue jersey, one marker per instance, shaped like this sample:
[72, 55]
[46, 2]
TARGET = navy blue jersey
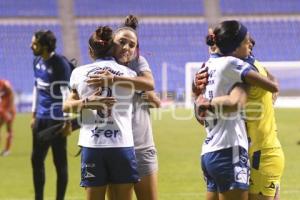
[49, 76]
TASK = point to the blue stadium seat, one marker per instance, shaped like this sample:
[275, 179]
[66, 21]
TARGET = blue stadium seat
[170, 43]
[139, 7]
[233, 7]
[16, 56]
[17, 8]
[276, 40]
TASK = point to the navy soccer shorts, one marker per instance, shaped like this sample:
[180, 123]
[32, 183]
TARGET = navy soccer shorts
[226, 169]
[102, 166]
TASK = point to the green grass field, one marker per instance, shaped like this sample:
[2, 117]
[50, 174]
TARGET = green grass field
[178, 142]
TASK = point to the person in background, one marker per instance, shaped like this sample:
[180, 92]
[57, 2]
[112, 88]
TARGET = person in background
[7, 113]
[265, 152]
[51, 76]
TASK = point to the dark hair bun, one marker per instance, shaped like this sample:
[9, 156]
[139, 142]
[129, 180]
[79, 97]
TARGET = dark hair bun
[131, 21]
[103, 35]
[210, 40]
[100, 41]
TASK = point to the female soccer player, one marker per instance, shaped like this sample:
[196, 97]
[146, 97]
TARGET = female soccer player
[224, 152]
[7, 113]
[106, 134]
[266, 155]
[144, 145]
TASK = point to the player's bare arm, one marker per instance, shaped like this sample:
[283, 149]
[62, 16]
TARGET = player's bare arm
[272, 78]
[152, 99]
[253, 78]
[10, 102]
[233, 102]
[199, 83]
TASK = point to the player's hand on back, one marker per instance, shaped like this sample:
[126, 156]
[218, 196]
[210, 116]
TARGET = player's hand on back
[202, 105]
[200, 81]
[101, 79]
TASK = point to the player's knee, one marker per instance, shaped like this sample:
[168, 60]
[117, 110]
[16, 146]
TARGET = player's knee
[61, 164]
[36, 161]
[63, 171]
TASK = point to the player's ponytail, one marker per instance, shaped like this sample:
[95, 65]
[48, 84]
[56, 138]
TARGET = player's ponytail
[211, 40]
[100, 42]
[131, 21]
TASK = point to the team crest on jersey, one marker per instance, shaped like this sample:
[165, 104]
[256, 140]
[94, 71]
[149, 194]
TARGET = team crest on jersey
[38, 66]
[49, 70]
[41, 66]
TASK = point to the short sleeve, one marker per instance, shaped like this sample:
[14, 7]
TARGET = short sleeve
[237, 69]
[131, 73]
[63, 69]
[140, 65]
[143, 64]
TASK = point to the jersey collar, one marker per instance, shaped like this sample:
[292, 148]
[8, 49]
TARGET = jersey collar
[215, 55]
[105, 58]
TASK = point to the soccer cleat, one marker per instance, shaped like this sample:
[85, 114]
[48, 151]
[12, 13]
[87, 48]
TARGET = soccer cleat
[5, 153]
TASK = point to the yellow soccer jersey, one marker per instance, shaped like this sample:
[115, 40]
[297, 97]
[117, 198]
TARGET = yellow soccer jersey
[261, 125]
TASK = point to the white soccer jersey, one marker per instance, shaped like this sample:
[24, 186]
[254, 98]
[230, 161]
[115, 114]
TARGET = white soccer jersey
[225, 130]
[104, 129]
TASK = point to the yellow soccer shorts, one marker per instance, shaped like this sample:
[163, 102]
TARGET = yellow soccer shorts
[266, 170]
